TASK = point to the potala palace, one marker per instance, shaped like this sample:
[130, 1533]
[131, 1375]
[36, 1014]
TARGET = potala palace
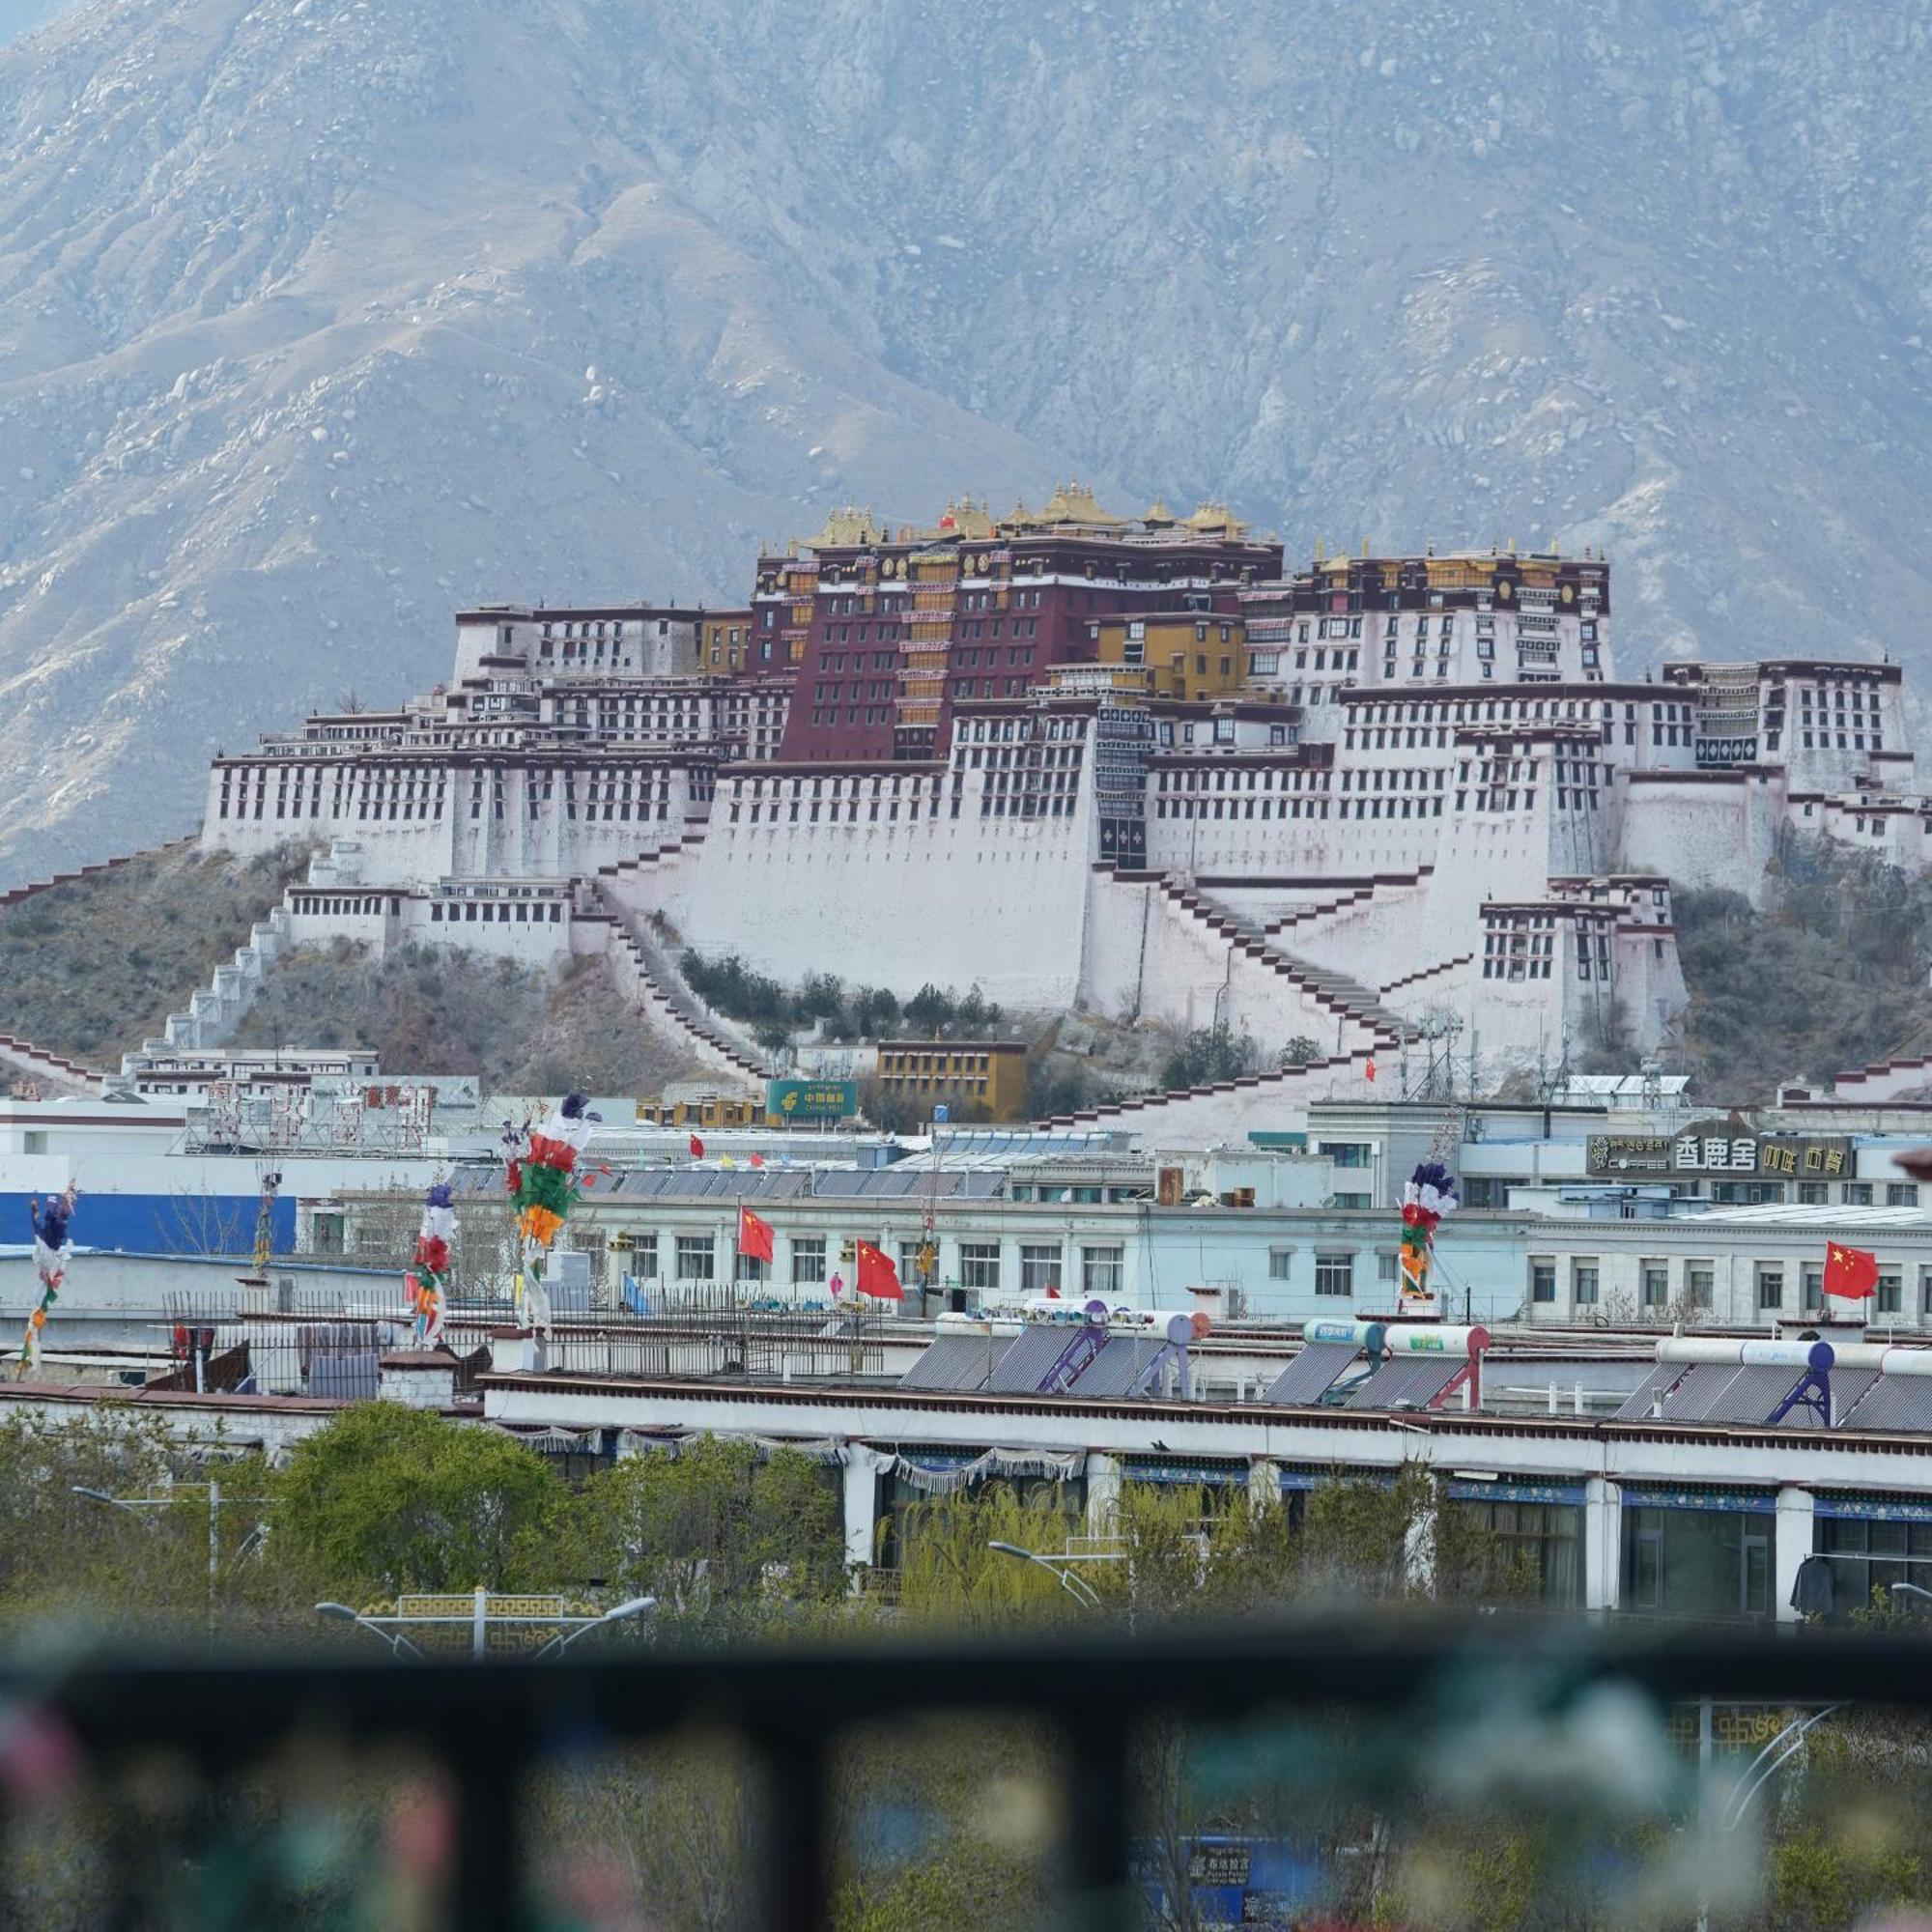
[1128, 766]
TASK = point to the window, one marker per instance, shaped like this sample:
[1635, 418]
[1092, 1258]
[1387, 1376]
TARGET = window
[643, 1257]
[1347, 1153]
[1813, 1285]
[1868, 1555]
[1858, 1194]
[1352, 1201]
[1711, 1562]
[1548, 1537]
[694, 1258]
[1280, 1260]
[1890, 1290]
[1902, 1194]
[808, 1261]
[980, 1264]
[1385, 1266]
[1769, 1285]
[1813, 1193]
[1100, 1271]
[1040, 1268]
[1541, 1281]
[1583, 1282]
[910, 1270]
[749, 1267]
[1654, 1284]
[1699, 1282]
[1335, 1275]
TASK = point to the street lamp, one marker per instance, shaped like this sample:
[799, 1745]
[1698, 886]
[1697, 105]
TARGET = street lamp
[395, 1639]
[622, 1614]
[134, 1505]
[1078, 1588]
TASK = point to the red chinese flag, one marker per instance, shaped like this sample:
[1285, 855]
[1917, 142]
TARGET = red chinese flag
[697, 1147]
[877, 1276]
[1851, 1273]
[1370, 1069]
[754, 1237]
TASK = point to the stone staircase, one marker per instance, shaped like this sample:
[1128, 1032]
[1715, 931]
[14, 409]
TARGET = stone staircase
[1336, 991]
[215, 1011]
[650, 978]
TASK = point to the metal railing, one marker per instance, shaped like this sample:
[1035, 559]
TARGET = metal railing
[1437, 1693]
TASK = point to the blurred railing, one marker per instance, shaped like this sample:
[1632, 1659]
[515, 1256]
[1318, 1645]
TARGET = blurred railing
[1579, 1719]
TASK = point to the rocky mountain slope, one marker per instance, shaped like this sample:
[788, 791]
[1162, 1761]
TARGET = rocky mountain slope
[319, 318]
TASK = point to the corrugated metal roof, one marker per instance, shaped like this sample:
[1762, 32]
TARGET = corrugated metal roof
[958, 1363]
[1312, 1372]
[1121, 1366]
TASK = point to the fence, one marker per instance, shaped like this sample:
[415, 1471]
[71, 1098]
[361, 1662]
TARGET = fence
[1410, 1718]
[292, 1339]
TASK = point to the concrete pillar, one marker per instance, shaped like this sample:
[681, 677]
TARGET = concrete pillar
[1792, 1545]
[1103, 1492]
[1263, 1484]
[1603, 1544]
[861, 1500]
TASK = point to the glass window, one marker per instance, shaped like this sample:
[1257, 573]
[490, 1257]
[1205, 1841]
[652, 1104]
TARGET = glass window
[643, 1257]
[1335, 1275]
[1548, 1537]
[1655, 1283]
[1769, 1285]
[1890, 1290]
[1583, 1282]
[1813, 1193]
[1347, 1153]
[1697, 1562]
[1871, 1554]
[980, 1264]
[1700, 1279]
[1858, 1194]
[1280, 1260]
[808, 1261]
[1902, 1194]
[1814, 1284]
[694, 1258]
[1100, 1271]
[749, 1267]
[1541, 1281]
[1040, 1268]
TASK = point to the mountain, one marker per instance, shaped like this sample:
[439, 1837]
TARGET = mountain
[22, 17]
[320, 318]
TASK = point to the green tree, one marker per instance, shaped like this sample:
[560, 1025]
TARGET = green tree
[387, 1498]
[929, 1010]
[717, 1526]
[1210, 1054]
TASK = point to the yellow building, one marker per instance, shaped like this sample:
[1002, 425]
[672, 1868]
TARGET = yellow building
[960, 1074]
[1187, 654]
[724, 643]
[714, 1111]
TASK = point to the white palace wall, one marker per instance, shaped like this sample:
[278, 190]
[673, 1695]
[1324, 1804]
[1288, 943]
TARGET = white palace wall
[1703, 829]
[1000, 903]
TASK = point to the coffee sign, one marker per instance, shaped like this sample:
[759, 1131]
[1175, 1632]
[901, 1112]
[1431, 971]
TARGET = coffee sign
[1715, 1148]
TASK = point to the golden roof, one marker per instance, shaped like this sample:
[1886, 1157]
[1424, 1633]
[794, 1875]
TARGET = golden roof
[849, 526]
[1074, 503]
[1214, 519]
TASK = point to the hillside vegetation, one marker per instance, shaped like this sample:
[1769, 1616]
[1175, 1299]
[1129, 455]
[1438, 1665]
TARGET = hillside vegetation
[95, 967]
[1829, 975]
[522, 1029]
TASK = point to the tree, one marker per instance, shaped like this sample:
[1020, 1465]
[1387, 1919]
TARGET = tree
[1207, 1055]
[929, 1010]
[1300, 1051]
[715, 1527]
[387, 1498]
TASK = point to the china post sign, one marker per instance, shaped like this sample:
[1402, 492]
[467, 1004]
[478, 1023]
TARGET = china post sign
[811, 1099]
[1719, 1148]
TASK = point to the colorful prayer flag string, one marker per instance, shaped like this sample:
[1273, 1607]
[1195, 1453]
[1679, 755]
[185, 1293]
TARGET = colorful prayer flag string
[427, 1281]
[544, 1181]
[53, 1249]
[1429, 1194]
